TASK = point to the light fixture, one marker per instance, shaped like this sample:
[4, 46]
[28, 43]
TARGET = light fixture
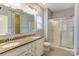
[35, 11]
[24, 8]
[13, 5]
[6, 4]
[29, 10]
[44, 3]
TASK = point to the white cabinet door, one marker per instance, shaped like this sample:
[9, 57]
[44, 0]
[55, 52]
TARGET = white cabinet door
[31, 50]
[39, 47]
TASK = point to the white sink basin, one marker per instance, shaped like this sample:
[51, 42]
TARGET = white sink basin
[10, 45]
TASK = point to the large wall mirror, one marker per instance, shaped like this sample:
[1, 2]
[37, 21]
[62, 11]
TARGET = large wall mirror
[3, 25]
[14, 22]
[27, 23]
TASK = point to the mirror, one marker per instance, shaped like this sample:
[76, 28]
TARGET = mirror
[27, 23]
[14, 21]
[3, 25]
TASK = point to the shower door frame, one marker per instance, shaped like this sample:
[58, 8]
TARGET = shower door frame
[72, 34]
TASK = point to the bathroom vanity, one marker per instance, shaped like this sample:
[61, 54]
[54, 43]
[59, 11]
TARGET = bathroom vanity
[15, 40]
[26, 46]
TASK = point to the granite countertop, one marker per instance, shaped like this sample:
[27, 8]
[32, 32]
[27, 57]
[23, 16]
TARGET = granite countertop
[6, 46]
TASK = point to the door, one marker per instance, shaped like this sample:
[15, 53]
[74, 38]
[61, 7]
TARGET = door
[67, 33]
[60, 32]
[17, 24]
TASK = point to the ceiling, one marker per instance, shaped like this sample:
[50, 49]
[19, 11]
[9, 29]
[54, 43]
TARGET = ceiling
[56, 6]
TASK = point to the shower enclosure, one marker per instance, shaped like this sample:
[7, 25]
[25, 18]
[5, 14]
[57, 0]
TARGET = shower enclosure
[60, 32]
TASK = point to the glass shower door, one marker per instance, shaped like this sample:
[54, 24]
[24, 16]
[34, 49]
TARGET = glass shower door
[54, 31]
[67, 33]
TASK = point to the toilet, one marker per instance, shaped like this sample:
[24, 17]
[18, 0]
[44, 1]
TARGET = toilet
[47, 46]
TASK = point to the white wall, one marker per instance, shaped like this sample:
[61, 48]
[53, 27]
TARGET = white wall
[64, 13]
[46, 24]
[50, 13]
[47, 16]
[76, 29]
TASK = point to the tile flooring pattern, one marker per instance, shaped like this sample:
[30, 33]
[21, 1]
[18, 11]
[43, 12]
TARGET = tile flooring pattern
[58, 52]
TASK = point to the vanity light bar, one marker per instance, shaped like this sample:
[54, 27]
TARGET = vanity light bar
[26, 8]
[30, 10]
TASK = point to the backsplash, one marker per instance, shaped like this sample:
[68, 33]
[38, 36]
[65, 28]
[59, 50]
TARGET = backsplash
[13, 37]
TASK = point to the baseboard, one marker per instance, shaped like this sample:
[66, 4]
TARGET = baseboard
[72, 50]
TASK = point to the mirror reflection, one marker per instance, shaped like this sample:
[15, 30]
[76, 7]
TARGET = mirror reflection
[15, 21]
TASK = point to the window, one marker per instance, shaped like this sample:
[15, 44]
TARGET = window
[39, 23]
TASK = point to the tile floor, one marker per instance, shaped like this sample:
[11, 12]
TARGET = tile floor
[58, 52]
